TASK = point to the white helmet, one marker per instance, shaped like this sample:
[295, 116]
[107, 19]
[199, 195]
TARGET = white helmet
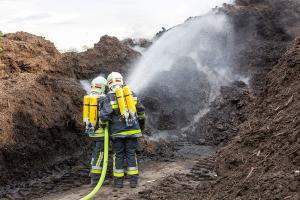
[98, 85]
[114, 80]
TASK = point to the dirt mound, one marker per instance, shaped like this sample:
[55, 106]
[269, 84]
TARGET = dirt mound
[179, 94]
[24, 52]
[265, 155]
[264, 30]
[40, 103]
[263, 160]
[39, 125]
[226, 112]
[107, 55]
[41, 98]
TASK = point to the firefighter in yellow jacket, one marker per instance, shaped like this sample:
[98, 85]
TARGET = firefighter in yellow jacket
[126, 118]
[93, 125]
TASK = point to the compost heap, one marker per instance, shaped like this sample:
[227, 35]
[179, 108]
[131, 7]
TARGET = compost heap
[41, 101]
[257, 122]
[261, 161]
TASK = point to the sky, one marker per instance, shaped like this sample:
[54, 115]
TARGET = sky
[76, 23]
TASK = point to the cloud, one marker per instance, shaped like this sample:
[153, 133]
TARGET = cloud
[30, 18]
[63, 22]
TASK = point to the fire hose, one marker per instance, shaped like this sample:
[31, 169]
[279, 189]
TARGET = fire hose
[104, 169]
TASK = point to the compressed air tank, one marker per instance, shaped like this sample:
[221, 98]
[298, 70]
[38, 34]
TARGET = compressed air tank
[86, 110]
[129, 100]
[93, 114]
[121, 101]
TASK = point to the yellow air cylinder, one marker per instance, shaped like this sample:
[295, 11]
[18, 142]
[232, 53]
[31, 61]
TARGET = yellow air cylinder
[121, 101]
[86, 110]
[129, 100]
[93, 110]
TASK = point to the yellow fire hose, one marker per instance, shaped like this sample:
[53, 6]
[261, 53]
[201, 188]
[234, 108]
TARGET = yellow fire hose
[103, 173]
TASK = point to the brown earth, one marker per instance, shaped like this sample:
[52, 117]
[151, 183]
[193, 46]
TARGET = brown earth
[262, 160]
[226, 112]
[24, 52]
[40, 102]
[106, 55]
[265, 155]
[263, 31]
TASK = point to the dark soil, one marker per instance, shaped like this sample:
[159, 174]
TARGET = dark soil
[265, 155]
[179, 95]
[226, 112]
[40, 105]
[260, 159]
[261, 162]
[40, 112]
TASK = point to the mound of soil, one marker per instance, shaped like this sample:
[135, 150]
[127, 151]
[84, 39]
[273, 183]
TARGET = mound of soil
[265, 156]
[40, 108]
[24, 52]
[262, 160]
[176, 96]
[226, 112]
[40, 103]
[264, 30]
[109, 54]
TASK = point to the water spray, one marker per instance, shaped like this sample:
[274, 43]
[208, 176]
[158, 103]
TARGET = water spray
[184, 68]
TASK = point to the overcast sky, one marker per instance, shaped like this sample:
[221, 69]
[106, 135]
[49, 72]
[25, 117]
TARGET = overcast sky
[74, 23]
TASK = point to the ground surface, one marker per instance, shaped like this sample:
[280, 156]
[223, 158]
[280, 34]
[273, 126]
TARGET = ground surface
[151, 172]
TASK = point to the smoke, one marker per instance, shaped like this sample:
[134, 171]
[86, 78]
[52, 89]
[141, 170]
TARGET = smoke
[205, 39]
[86, 85]
[183, 70]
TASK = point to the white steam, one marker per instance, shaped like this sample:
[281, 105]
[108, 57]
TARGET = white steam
[86, 85]
[199, 38]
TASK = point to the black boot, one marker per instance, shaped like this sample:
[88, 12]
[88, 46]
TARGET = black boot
[118, 182]
[94, 181]
[133, 180]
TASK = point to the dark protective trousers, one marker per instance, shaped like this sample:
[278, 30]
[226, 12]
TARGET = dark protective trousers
[125, 148]
[97, 159]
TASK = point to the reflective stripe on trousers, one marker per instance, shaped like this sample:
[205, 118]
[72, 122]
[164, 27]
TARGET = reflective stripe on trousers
[132, 170]
[125, 148]
[117, 172]
[97, 158]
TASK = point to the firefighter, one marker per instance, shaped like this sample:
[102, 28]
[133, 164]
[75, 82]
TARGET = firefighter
[93, 125]
[126, 123]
